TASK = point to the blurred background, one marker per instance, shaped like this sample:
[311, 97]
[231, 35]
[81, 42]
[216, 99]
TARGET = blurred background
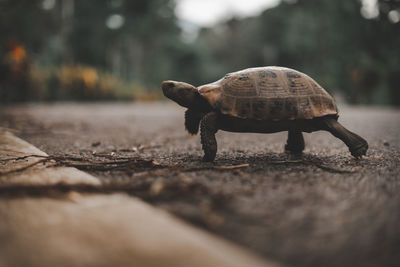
[96, 50]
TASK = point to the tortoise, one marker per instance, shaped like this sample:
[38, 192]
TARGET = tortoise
[261, 100]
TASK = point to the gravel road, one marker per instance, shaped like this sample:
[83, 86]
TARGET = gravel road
[326, 209]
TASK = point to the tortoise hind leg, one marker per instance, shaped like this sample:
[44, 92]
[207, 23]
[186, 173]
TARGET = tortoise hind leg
[356, 144]
[295, 142]
[208, 128]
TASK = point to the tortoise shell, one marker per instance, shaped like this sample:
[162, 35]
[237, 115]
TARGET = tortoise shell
[269, 93]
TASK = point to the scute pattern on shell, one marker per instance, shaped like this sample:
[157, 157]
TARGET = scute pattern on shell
[269, 93]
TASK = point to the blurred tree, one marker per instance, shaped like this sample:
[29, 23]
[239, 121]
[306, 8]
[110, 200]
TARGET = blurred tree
[130, 37]
[141, 42]
[329, 40]
[386, 39]
[15, 74]
[26, 22]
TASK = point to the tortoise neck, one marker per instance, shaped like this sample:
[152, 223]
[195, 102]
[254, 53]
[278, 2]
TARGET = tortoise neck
[200, 104]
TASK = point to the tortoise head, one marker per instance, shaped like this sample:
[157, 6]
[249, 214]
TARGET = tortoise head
[182, 93]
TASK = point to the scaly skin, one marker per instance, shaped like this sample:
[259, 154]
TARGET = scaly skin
[192, 121]
[295, 142]
[214, 121]
[356, 144]
[208, 128]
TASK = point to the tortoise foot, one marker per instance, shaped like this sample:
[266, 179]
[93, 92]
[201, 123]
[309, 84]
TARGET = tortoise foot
[208, 158]
[294, 156]
[359, 150]
[292, 152]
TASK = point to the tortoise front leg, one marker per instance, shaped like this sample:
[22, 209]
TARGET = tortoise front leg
[208, 128]
[192, 121]
[295, 142]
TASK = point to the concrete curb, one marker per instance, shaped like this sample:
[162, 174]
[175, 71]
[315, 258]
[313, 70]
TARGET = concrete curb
[75, 229]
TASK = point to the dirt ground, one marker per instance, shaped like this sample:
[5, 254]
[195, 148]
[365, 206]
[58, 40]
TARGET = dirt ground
[326, 209]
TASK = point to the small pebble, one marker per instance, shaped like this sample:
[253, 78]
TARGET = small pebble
[74, 196]
[386, 143]
[157, 187]
[95, 144]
